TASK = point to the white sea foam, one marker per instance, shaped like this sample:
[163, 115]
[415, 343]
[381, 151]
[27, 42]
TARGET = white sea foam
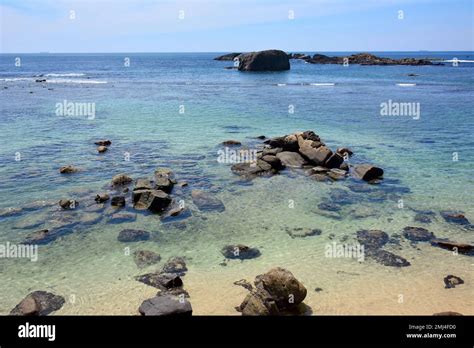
[13, 79]
[322, 84]
[65, 75]
[281, 84]
[458, 60]
[79, 81]
[406, 84]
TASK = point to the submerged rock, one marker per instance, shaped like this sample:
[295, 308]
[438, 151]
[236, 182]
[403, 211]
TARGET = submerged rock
[423, 218]
[118, 218]
[166, 305]
[206, 201]
[455, 217]
[175, 265]
[144, 258]
[130, 235]
[277, 292]
[38, 303]
[68, 170]
[240, 251]
[39, 237]
[462, 248]
[417, 234]
[451, 281]
[301, 232]
[387, 258]
[372, 239]
[269, 60]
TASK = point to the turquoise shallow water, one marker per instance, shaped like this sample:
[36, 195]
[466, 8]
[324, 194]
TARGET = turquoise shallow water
[138, 108]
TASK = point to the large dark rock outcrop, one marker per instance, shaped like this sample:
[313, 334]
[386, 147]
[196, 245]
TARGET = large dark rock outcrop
[277, 292]
[269, 60]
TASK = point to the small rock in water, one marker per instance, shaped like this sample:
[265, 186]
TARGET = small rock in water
[175, 265]
[451, 281]
[163, 281]
[144, 258]
[103, 143]
[130, 235]
[68, 170]
[102, 149]
[240, 251]
[121, 179]
[343, 151]
[118, 201]
[102, 197]
[166, 305]
[417, 234]
[38, 303]
[231, 143]
[367, 172]
[68, 204]
[455, 217]
[155, 201]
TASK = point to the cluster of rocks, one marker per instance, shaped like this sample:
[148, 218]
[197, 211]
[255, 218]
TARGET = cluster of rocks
[103, 145]
[277, 60]
[305, 150]
[38, 303]
[276, 292]
[151, 195]
[359, 58]
[172, 298]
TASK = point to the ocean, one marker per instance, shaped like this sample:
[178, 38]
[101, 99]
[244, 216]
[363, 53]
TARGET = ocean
[174, 110]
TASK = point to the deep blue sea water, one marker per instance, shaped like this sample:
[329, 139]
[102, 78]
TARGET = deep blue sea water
[173, 110]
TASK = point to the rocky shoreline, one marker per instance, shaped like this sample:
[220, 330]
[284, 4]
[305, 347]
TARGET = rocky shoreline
[276, 292]
[277, 60]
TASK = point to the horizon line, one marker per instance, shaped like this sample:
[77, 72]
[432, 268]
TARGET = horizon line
[235, 51]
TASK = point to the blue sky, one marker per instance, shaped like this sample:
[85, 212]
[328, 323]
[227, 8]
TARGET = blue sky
[235, 25]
